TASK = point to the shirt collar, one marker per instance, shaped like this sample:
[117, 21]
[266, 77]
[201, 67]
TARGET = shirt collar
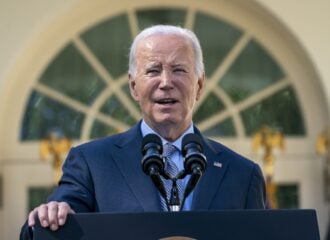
[145, 129]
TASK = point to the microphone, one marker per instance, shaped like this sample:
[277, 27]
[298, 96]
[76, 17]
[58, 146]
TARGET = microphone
[152, 162]
[152, 150]
[194, 160]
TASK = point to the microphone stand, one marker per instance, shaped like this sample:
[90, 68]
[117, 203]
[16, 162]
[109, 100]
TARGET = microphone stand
[194, 178]
[182, 174]
[174, 203]
[155, 176]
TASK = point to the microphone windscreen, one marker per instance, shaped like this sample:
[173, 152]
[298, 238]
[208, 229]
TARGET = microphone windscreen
[192, 138]
[151, 138]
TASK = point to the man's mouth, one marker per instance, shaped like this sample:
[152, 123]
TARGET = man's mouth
[165, 101]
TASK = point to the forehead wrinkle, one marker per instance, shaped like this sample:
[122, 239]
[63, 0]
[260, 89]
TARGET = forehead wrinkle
[155, 51]
[176, 57]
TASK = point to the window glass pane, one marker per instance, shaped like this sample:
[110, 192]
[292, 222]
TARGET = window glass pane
[115, 109]
[71, 75]
[100, 129]
[151, 17]
[280, 111]
[44, 114]
[253, 70]
[210, 106]
[287, 196]
[110, 42]
[217, 38]
[223, 129]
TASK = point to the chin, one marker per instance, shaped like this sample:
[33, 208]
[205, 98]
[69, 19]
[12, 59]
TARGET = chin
[166, 120]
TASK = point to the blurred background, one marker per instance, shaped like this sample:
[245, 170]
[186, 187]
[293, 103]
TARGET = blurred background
[63, 81]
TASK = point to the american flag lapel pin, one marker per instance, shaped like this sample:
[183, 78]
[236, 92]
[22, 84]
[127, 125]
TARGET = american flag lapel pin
[217, 164]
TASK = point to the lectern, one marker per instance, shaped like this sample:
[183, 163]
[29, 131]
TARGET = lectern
[220, 225]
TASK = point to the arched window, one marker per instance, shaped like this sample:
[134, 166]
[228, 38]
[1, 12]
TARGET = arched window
[84, 90]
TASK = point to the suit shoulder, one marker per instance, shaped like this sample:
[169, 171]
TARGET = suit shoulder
[109, 142]
[100, 142]
[231, 155]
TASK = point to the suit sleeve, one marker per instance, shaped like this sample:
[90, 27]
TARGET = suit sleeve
[76, 185]
[256, 197]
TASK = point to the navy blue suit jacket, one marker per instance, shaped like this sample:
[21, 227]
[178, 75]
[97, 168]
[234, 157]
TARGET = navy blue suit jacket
[105, 175]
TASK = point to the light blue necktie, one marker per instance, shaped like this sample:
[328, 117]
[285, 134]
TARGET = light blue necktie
[172, 170]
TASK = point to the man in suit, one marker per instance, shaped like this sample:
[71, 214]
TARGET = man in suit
[166, 78]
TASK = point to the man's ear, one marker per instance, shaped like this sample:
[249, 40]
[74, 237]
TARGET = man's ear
[200, 86]
[132, 87]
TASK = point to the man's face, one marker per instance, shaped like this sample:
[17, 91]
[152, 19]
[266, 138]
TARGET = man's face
[166, 84]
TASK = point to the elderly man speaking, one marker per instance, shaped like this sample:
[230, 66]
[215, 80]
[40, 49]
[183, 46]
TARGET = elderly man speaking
[166, 78]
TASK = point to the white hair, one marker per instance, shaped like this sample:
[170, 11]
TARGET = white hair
[168, 30]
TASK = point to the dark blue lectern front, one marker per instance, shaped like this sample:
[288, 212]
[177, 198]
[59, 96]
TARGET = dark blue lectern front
[223, 225]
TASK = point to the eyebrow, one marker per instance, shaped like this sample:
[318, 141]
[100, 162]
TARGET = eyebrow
[159, 65]
[178, 65]
[154, 64]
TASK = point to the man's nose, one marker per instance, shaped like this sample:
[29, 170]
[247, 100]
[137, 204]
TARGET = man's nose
[166, 80]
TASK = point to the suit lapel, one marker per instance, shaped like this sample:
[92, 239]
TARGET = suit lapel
[210, 182]
[128, 158]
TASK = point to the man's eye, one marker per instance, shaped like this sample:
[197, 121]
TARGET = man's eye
[152, 71]
[180, 70]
